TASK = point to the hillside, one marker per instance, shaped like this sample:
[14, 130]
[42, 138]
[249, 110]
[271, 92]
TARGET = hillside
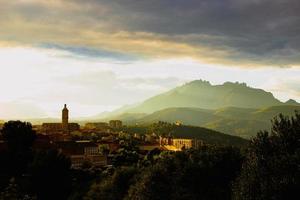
[206, 135]
[243, 122]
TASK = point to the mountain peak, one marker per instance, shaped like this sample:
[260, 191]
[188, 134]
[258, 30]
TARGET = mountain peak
[201, 94]
[292, 102]
[235, 84]
[199, 82]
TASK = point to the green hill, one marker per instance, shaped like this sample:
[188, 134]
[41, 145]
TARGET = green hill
[243, 122]
[265, 113]
[191, 116]
[208, 136]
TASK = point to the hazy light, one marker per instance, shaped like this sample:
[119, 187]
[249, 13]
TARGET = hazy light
[44, 79]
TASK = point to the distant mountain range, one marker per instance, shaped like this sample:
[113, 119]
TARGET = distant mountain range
[232, 108]
[201, 94]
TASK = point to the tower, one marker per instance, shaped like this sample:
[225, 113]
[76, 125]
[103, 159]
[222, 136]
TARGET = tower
[65, 119]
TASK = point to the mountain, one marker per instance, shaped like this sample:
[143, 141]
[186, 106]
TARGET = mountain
[201, 94]
[291, 102]
[232, 108]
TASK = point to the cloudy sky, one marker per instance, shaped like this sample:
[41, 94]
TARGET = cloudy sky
[97, 55]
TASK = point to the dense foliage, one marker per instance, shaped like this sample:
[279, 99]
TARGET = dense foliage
[113, 187]
[29, 174]
[206, 173]
[19, 138]
[271, 169]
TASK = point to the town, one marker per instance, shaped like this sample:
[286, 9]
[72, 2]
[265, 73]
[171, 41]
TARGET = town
[96, 143]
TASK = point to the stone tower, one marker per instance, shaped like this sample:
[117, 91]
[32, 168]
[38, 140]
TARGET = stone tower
[65, 119]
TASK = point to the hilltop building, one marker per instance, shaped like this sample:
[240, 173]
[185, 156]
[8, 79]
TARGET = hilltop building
[97, 125]
[64, 127]
[115, 123]
[177, 144]
[178, 123]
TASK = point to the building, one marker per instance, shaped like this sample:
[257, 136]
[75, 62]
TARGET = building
[145, 148]
[182, 143]
[81, 152]
[177, 144]
[97, 126]
[111, 146]
[115, 123]
[42, 142]
[50, 128]
[65, 119]
[1, 126]
[63, 127]
[178, 123]
[95, 160]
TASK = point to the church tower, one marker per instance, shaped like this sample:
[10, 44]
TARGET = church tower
[65, 119]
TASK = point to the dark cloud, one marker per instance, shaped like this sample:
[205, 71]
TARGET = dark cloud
[250, 29]
[264, 32]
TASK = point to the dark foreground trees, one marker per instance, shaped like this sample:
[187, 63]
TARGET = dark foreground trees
[113, 187]
[268, 169]
[50, 175]
[272, 166]
[19, 138]
[206, 173]
[26, 173]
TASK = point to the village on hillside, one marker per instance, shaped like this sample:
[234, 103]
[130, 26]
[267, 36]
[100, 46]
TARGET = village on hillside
[95, 143]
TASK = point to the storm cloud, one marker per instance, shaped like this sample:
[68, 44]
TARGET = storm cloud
[231, 32]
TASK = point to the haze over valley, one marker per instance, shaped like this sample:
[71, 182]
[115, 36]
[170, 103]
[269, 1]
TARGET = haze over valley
[233, 108]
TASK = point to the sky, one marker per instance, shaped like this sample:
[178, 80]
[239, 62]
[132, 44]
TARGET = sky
[98, 55]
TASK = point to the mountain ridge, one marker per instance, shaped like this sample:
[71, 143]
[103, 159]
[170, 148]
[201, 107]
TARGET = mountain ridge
[203, 94]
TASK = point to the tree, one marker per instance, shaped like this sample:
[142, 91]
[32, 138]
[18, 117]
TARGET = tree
[50, 172]
[113, 187]
[104, 149]
[127, 155]
[19, 137]
[271, 169]
[206, 173]
[11, 192]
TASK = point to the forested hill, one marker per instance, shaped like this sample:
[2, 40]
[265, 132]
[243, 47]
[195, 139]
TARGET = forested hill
[208, 136]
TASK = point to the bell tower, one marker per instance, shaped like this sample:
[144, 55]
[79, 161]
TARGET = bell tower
[65, 119]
